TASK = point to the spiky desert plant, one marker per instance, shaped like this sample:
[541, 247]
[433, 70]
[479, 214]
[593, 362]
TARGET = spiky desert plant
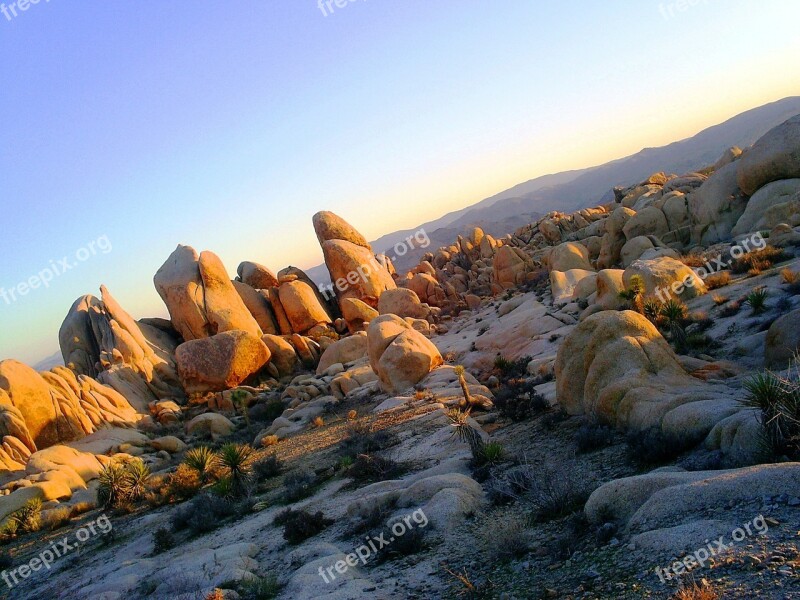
[28, 518]
[674, 312]
[634, 293]
[136, 476]
[652, 310]
[464, 431]
[460, 371]
[778, 401]
[757, 300]
[236, 459]
[113, 485]
[789, 277]
[203, 460]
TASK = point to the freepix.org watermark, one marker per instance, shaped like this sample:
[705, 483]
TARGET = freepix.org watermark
[701, 556]
[46, 558]
[417, 239]
[327, 7]
[101, 245]
[374, 545]
[754, 242]
[10, 11]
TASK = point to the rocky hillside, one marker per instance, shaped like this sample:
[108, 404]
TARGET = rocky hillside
[602, 404]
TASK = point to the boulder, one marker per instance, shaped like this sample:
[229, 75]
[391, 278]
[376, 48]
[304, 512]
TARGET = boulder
[775, 156]
[357, 314]
[225, 310]
[329, 226]
[664, 277]
[30, 394]
[283, 355]
[302, 307]
[355, 272]
[771, 205]
[564, 284]
[399, 355]
[648, 221]
[783, 236]
[257, 302]
[256, 276]
[783, 341]
[568, 256]
[220, 362]
[212, 424]
[716, 206]
[510, 266]
[403, 302]
[344, 351]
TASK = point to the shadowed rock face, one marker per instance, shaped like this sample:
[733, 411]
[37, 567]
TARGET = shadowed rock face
[200, 297]
[775, 156]
[99, 339]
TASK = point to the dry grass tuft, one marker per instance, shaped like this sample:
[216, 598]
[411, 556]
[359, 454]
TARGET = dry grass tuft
[718, 280]
[719, 299]
[696, 591]
[790, 277]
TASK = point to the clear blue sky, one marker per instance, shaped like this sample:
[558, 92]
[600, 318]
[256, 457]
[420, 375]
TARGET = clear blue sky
[227, 125]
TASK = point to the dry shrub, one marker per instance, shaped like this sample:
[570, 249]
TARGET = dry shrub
[718, 280]
[507, 538]
[318, 422]
[693, 260]
[757, 261]
[719, 300]
[696, 591]
[789, 277]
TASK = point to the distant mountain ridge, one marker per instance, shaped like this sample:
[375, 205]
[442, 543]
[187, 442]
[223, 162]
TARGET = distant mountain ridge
[568, 191]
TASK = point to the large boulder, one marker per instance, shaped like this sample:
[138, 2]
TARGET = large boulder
[773, 204]
[402, 302]
[511, 265]
[783, 341]
[329, 226]
[648, 221]
[665, 277]
[347, 350]
[220, 362]
[572, 284]
[355, 272]
[716, 206]
[399, 355]
[256, 276]
[302, 306]
[200, 297]
[357, 314]
[30, 394]
[257, 302]
[568, 256]
[283, 355]
[775, 156]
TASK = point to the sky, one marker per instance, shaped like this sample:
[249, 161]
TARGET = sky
[128, 127]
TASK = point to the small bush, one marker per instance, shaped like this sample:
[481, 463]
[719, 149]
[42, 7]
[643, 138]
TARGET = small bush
[758, 260]
[236, 461]
[362, 439]
[731, 310]
[757, 300]
[507, 538]
[299, 525]
[298, 485]
[556, 494]
[184, 483]
[202, 514]
[519, 401]
[163, 540]
[718, 299]
[318, 422]
[28, 518]
[718, 280]
[375, 518]
[369, 468]
[512, 368]
[789, 277]
[653, 447]
[691, 590]
[413, 541]
[268, 467]
[258, 588]
[591, 438]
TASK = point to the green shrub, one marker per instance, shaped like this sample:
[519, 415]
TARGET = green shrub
[298, 485]
[122, 483]
[757, 300]
[778, 401]
[163, 540]
[28, 518]
[258, 588]
[300, 525]
[268, 467]
[203, 460]
[370, 468]
[591, 438]
[236, 462]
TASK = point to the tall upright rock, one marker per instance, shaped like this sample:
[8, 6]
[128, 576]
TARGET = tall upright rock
[354, 269]
[201, 299]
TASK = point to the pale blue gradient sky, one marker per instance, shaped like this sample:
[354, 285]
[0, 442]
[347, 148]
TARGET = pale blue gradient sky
[227, 125]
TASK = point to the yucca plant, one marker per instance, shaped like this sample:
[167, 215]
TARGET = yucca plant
[27, 518]
[634, 293]
[136, 475]
[236, 459]
[652, 310]
[464, 431]
[203, 460]
[492, 453]
[460, 371]
[757, 300]
[113, 485]
[674, 313]
[778, 401]
[239, 399]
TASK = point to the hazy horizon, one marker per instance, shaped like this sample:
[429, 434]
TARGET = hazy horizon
[228, 130]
